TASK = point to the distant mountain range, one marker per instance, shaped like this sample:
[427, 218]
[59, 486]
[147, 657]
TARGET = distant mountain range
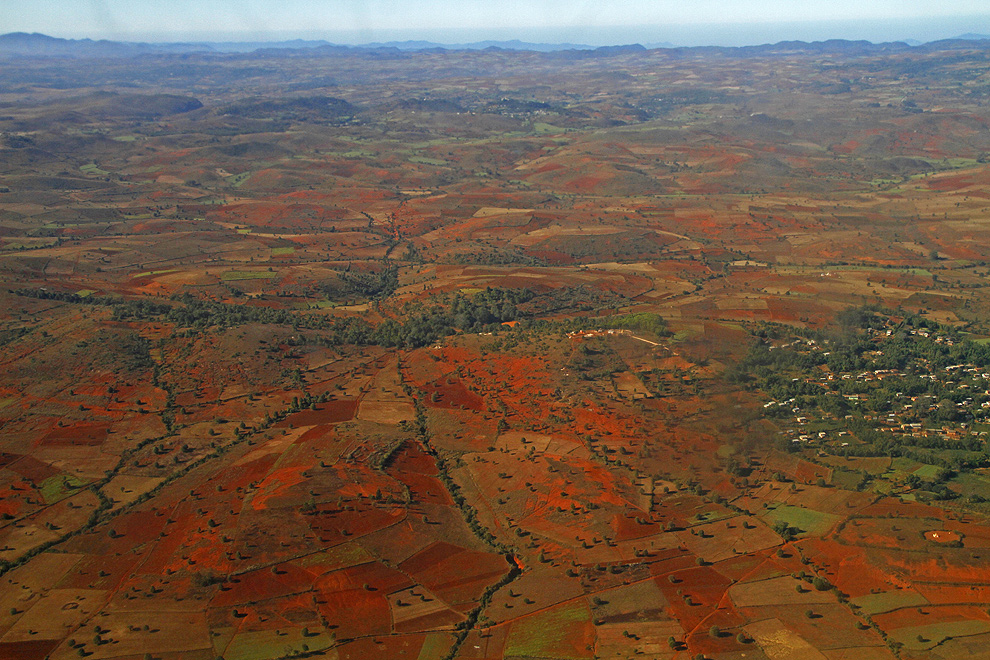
[21, 44]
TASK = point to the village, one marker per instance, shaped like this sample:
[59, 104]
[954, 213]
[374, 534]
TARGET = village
[901, 387]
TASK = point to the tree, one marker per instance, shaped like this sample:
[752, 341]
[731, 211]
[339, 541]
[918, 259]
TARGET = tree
[714, 632]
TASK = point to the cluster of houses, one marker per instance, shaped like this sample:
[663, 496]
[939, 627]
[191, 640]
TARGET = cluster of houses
[972, 380]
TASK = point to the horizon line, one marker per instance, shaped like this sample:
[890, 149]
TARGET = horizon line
[697, 34]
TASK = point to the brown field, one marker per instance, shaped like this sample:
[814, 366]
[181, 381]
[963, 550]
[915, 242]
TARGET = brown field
[776, 591]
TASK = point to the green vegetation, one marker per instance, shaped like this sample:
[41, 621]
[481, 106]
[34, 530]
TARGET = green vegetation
[803, 521]
[267, 644]
[375, 285]
[879, 385]
[435, 646]
[56, 488]
[646, 321]
[235, 275]
[922, 637]
[236, 180]
[483, 311]
[888, 600]
[543, 634]
[93, 168]
[148, 273]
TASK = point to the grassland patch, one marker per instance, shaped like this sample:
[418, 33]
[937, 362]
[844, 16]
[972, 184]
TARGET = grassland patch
[544, 635]
[235, 275]
[55, 488]
[889, 600]
[918, 638]
[807, 521]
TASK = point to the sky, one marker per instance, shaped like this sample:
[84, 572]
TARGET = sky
[594, 22]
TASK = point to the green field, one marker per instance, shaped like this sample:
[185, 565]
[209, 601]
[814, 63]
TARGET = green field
[800, 270]
[936, 633]
[234, 275]
[30, 244]
[928, 471]
[237, 179]
[435, 647]
[906, 466]
[157, 272]
[543, 635]
[725, 451]
[341, 556]
[889, 600]
[422, 160]
[685, 334]
[847, 479]
[903, 465]
[267, 644]
[93, 168]
[55, 488]
[277, 251]
[809, 521]
[973, 484]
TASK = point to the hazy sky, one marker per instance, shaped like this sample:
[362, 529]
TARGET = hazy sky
[596, 22]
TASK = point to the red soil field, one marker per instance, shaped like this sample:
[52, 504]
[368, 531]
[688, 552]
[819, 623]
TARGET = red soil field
[444, 619]
[417, 471]
[27, 650]
[705, 587]
[139, 527]
[276, 487]
[98, 571]
[452, 395]
[856, 570]
[86, 434]
[455, 574]
[32, 469]
[334, 526]
[627, 528]
[331, 412]
[344, 601]
[263, 584]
